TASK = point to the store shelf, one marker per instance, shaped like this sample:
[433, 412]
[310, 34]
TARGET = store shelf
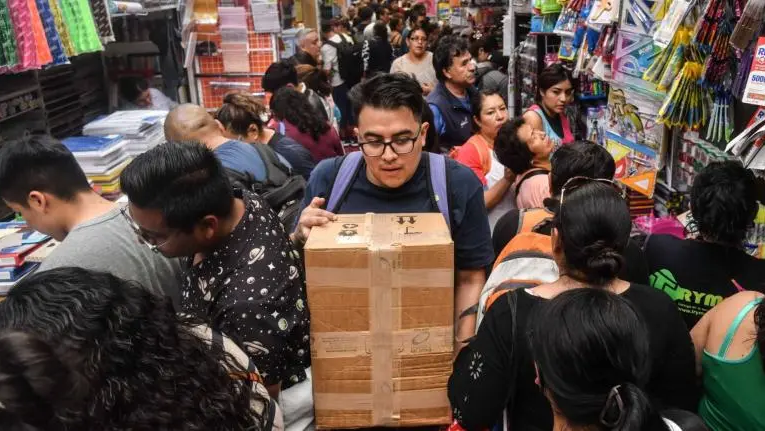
[588, 98]
[23, 91]
[18, 114]
[145, 12]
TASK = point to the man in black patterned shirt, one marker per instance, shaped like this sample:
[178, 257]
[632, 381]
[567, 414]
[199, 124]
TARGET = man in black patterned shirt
[244, 277]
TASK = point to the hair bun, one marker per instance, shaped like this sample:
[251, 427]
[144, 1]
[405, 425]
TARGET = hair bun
[603, 263]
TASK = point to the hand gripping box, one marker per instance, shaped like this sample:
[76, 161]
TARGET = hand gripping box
[381, 295]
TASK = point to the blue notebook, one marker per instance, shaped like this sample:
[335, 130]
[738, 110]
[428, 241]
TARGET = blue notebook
[80, 144]
[15, 273]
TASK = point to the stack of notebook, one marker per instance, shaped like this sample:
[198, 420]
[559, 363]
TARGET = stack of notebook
[102, 159]
[17, 243]
[640, 205]
[141, 130]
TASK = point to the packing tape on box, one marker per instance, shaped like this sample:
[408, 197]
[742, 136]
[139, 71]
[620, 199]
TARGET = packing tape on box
[411, 400]
[382, 261]
[332, 345]
[359, 278]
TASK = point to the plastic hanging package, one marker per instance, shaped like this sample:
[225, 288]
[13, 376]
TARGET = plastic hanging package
[55, 44]
[63, 31]
[8, 55]
[79, 20]
[25, 37]
[749, 24]
[666, 32]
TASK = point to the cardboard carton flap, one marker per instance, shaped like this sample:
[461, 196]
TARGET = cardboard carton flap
[351, 231]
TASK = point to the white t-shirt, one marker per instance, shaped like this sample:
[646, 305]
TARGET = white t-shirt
[496, 173]
[369, 30]
[331, 59]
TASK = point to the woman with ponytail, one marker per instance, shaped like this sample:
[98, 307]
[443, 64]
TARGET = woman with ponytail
[591, 352]
[730, 356]
[495, 372]
[244, 118]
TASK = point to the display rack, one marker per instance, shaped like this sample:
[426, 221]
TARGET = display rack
[57, 100]
[208, 79]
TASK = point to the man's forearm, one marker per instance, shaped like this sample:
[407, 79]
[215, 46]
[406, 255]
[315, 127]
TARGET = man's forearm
[466, 295]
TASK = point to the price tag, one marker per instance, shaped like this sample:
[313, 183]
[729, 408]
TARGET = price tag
[754, 93]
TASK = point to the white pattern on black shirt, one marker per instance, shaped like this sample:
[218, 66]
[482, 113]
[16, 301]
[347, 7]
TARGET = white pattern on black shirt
[252, 289]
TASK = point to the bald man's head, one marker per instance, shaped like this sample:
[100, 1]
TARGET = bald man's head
[190, 122]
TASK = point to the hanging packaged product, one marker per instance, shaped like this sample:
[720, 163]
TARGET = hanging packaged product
[720, 127]
[749, 24]
[685, 104]
[604, 12]
[669, 26]
[754, 93]
[638, 16]
[634, 138]
[668, 63]
[634, 54]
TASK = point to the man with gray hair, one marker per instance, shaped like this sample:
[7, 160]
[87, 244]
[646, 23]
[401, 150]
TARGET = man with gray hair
[308, 48]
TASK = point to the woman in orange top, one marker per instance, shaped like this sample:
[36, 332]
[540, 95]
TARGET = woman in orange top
[478, 154]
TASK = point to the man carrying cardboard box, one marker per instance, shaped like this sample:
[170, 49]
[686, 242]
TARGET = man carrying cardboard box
[392, 174]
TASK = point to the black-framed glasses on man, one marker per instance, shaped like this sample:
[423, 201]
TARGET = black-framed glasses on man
[148, 242]
[400, 145]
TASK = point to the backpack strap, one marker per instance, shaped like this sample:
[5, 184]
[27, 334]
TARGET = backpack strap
[349, 166]
[277, 172]
[529, 174]
[438, 183]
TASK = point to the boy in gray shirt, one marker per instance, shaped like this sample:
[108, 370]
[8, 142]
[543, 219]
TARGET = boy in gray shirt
[41, 180]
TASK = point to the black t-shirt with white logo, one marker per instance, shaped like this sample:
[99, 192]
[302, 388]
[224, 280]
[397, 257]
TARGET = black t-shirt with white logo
[698, 275]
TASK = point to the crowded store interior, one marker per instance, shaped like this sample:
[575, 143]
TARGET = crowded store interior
[442, 215]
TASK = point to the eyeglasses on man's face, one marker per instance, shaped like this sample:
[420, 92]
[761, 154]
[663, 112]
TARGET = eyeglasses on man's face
[400, 145]
[145, 239]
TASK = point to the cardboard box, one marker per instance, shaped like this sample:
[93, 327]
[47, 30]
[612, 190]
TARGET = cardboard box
[381, 295]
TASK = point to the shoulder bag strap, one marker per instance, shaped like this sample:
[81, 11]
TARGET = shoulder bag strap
[349, 166]
[529, 174]
[438, 182]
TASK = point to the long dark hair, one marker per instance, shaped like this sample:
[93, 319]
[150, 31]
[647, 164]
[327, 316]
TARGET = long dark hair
[293, 106]
[142, 366]
[593, 223]
[34, 384]
[592, 355]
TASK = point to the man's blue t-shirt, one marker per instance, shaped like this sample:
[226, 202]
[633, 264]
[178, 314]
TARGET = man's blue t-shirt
[470, 224]
[243, 157]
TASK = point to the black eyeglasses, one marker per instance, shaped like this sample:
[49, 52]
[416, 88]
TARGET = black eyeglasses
[401, 145]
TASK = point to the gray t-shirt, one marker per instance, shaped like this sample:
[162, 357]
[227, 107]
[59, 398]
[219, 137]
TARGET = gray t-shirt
[107, 243]
[422, 71]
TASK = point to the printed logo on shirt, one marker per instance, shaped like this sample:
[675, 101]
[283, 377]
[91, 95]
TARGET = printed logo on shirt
[688, 301]
[464, 123]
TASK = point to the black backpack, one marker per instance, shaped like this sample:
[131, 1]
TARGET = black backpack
[282, 190]
[349, 60]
